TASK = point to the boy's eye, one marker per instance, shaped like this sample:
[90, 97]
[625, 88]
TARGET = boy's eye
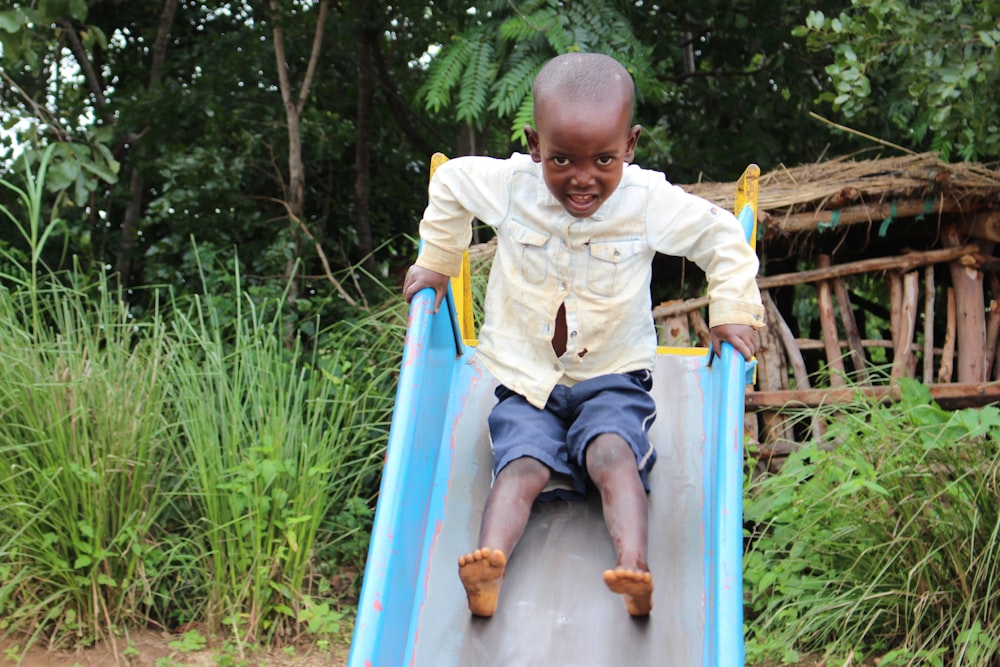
[605, 160]
[560, 161]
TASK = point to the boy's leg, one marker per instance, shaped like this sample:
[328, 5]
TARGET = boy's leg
[611, 465]
[505, 517]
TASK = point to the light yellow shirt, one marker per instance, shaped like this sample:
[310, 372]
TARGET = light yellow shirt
[600, 267]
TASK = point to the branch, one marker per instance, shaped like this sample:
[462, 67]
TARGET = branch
[40, 112]
[319, 251]
[401, 110]
[282, 60]
[869, 137]
[93, 82]
[324, 6]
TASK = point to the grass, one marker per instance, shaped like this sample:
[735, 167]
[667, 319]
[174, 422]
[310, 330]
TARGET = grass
[200, 466]
[881, 541]
[183, 469]
[81, 430]
[274, 441]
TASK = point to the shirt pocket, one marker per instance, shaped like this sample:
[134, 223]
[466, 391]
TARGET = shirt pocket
[529, 247]
[613, 264]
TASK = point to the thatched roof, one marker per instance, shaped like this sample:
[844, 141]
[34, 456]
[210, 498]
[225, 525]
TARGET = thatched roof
[844, 191]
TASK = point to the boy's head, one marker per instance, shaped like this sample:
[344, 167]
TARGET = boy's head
[583, 134]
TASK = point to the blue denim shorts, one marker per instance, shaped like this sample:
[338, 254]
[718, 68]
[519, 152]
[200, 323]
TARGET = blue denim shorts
[558, 435]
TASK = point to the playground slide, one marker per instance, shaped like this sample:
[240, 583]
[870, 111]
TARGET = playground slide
[554, 609]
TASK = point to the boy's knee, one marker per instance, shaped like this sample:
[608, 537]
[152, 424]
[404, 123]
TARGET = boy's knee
[528, 471]
[608, 453]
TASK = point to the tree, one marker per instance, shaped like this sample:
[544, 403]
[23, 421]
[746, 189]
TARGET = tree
[221, 128]
[924, 73]
[720, 82]
[490, 66]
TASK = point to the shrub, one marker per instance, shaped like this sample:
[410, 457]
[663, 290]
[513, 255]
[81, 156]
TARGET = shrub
[885, 544]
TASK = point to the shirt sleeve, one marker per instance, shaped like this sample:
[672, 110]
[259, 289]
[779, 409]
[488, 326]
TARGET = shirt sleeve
[461, 190]
[680, 223]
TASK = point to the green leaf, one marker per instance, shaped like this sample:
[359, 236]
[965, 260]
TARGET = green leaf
[815, 20]
[11, 21]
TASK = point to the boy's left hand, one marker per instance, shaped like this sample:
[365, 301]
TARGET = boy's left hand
[740, 336]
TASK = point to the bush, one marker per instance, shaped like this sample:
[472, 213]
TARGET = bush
[200, 465]
[885, 544]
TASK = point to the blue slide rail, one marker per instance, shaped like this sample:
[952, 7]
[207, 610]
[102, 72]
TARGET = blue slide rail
[431, 357]
[433, 353]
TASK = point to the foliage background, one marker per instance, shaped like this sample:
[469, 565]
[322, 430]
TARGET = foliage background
[172, 125]
[197, 192]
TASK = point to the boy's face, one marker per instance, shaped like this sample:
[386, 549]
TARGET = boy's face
[582, 151]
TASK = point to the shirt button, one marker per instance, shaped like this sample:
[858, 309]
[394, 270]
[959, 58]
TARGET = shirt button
[572, 334]
[562, 286]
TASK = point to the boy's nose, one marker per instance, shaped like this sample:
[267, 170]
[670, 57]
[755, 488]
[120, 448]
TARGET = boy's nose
[582, 177]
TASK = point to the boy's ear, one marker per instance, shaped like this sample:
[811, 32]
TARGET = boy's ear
[631, 141]
[532, 136]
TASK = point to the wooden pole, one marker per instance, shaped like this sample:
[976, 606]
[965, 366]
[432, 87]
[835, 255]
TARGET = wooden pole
[828, 325]
[895, 318]
[948, 348]
[795, 360]
[929, 296]
[992, 330]
[904, 362]
[907, 262]
[854, 342]
[793, 354]
[700, 327]
[860, 213]
[950, 395]
[970, 316]
[772, 374]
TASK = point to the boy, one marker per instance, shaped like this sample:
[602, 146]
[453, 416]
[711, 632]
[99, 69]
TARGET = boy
[568, 329]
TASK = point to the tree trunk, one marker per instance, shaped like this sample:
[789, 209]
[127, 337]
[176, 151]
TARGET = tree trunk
[362, 144]
[397, 105]
[137, 186]
[295, 189]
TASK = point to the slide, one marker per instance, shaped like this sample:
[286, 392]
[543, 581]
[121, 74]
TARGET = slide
[554, 608]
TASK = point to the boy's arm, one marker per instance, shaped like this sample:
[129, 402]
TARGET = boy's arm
[740, 336]
[461, 189]
[417, 278]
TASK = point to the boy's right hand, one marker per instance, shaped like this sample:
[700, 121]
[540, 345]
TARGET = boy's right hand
[417, 278]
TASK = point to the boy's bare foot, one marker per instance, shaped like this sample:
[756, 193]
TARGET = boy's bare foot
[635, 587]
[481, 572]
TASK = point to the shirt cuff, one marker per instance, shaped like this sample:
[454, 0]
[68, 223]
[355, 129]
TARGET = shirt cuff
[735, 312]
[440, 260]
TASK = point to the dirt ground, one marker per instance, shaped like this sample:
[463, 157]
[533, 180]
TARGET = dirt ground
[149, 648]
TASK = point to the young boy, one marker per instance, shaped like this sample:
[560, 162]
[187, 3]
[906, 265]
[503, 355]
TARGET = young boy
[568, 329]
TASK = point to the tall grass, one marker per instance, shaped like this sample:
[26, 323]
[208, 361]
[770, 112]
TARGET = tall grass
[82, 431]
[273, 441]
[885, 545]
[191, 467]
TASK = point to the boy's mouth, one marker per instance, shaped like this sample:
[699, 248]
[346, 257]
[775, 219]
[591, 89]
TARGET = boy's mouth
[581, 202]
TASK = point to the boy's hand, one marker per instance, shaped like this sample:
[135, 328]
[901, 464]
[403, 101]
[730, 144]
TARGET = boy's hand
[740, 336]
[417, 278]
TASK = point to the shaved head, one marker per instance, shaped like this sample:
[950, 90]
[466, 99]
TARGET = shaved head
[583, 79]
[583, 135]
